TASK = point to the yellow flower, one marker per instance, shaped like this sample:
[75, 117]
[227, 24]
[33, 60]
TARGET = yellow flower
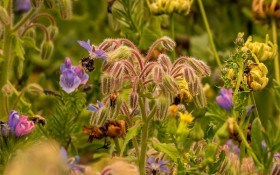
[186, 117]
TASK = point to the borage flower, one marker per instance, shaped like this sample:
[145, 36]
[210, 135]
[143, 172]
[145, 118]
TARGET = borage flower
[155, 166]
[72, 163]
[95, 108]
[17, 125]
[71, 76]
[93, 52]
[225, 99]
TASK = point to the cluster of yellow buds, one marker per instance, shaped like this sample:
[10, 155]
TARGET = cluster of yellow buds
[159, 7]
[255, 76]
[261, 51]
[263, 10]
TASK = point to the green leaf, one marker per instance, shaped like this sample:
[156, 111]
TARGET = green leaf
[18, 47]
[132, 132]
[257, 138]
[168, 149]
[30, 42]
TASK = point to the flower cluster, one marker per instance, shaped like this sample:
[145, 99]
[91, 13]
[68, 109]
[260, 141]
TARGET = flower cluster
[256, 78]
[160, 7]
[261, 51]
[263, 10]
[254, 75]
[19, 126]
[71, 76]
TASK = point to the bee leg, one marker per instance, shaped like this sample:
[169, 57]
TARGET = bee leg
[107, 143]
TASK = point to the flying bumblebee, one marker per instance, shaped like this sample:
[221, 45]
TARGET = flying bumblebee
[39, 119]
[112, 129]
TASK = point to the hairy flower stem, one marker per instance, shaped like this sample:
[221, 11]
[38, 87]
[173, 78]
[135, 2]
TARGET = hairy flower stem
[144, 139]
[7, 43]
[209, 33]
[276, 59]
[144, 135]
[249, 149]
[256, 113]
[46, 15]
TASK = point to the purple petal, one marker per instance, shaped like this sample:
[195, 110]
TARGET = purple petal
[101, 54]
[225, 99]
[67, 65]
[164, 169]
[13, 119]
[161, 162]
[92, 108]
[100, 105]
[22, 6]
[81, 74]
[151, 160]
[63, 154]
[69, 81]
[86, 45]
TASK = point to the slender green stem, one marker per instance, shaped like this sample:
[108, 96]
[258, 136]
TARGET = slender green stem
[276, 59]
[4, 67]
[21, 99]
[117, 144]
[245, 142]
[209, 33]
[256, 112]
[148, 3]
[142, 108]
[144, 139]
[239, 78]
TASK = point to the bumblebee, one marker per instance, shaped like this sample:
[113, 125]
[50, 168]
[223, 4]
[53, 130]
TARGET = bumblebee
[112, 129]
[94, 132]
[113, 98]
[88, 64]
[39, 119]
